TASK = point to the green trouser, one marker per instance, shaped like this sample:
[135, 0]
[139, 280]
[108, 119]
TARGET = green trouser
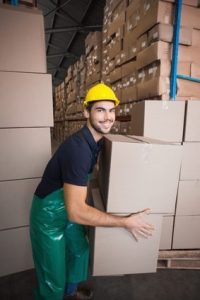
[60, 247]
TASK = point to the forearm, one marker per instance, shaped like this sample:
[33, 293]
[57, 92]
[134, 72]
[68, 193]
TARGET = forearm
[88, 215]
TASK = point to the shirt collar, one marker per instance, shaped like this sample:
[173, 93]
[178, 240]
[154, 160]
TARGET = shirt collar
[94, 146]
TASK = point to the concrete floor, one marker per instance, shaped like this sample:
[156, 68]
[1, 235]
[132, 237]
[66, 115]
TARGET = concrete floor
[164, 285]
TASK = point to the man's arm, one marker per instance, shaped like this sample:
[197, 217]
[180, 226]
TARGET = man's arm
[80, 212]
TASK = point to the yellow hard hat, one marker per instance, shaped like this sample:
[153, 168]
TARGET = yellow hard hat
[100, 92]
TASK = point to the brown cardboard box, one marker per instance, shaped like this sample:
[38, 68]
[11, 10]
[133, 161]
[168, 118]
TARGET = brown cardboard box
[24, 152]
[15, 251]
[188, 203]
[129, 68]
[188, 88]
[186, 232]
[116, 24]
[154, 87]
[132, 15]
[22, 40]
[130, 38]
[135, 174]
[28, 92]
[196, 37]
[190, 17]
[129, 94]
[155, 12]
[109, 245]
[156, 51]
[195, 71]
[184, 68]
[142, 42]
[192, 122]
[159, 120]
[16, 197]
[164, 32]
[115, 48]
[116, 74]
[190, 168]
[166, 233]
[189, 54]
[157, 69]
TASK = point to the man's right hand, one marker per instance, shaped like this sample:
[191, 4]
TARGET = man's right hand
[137, 226]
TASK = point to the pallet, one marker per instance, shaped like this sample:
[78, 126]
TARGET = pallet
[179, 259]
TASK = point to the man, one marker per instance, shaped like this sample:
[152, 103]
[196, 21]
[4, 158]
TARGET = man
[59, 208]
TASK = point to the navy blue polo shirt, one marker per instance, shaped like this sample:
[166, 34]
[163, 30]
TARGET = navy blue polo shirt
[71, 163]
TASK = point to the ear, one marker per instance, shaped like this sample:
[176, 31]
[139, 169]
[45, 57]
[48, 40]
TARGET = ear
[86, 113]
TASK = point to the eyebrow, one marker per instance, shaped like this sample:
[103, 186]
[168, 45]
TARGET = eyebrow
[100, 107]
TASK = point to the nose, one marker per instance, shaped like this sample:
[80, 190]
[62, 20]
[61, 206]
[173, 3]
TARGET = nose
[109, 115]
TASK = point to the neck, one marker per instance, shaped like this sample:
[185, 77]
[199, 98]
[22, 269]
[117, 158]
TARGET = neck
[96, 135]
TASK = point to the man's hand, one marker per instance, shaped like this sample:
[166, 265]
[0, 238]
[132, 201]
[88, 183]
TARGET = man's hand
[136, 224]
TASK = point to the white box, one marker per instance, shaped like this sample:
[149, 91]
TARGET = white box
[15, 251]
[24, 152]
[25, 100]
[162, 120]
[166, 233]
[188, 199]
[22, 40]
[190, 168]
[15, 204]
[192, 124]
[186, 232]
[114, 251]
[137, 173]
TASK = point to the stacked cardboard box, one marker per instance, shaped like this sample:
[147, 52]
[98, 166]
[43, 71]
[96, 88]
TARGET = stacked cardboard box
[26, 114]
[187, 219]
[93, 48]
[126, 187]
[176, 122]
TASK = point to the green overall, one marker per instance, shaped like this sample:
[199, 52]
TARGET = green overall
[60, 248]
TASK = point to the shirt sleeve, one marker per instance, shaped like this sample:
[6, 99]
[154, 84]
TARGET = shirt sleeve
[75, 163]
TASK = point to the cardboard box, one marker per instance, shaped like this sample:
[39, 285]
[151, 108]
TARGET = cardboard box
[188, 198]
[186, 88]
[115, 48]
[195, 70]
[196, 37]
[142, 42]
[129, 94]
[22, 40]
[134, 174]
[29, 93]
[166, 233]
[130, 38]
[116, 24]
[164, 32]
[109, 245]
[154, 87]
[161, 120]
[190, 168]
[15, 251]
[189, 54]
[16, 199]
[186, 232]
[190, 17]
[116, 74]
[129, 68]
[192, 123]
[24, 152]
[156, 51]
[155, 12]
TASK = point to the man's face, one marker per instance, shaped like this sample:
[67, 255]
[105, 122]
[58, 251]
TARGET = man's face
[102, 116]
